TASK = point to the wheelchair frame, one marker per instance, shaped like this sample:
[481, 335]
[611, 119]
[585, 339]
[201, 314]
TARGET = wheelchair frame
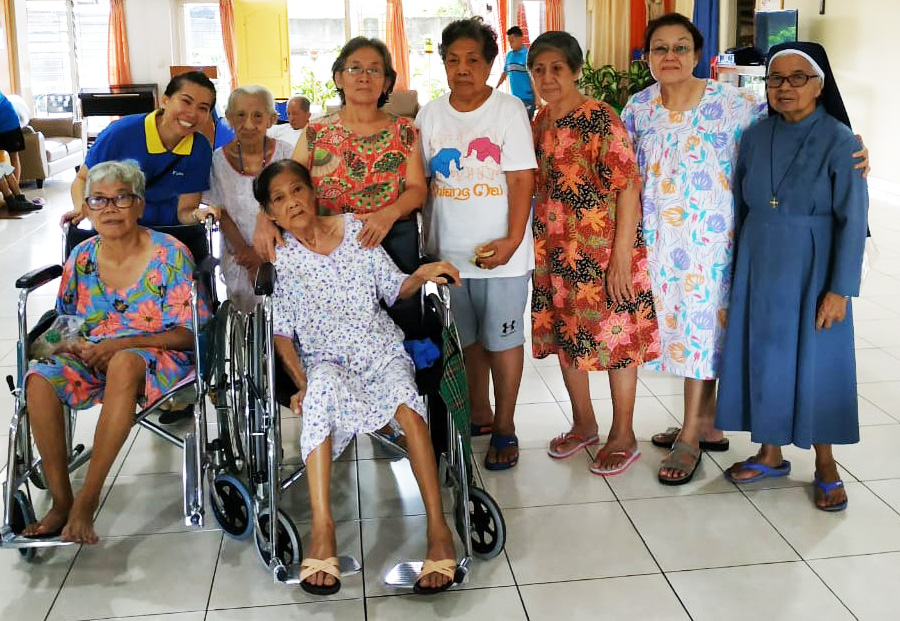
[23, 466]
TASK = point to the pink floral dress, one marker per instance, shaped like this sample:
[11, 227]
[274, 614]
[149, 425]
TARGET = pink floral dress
[158, 301]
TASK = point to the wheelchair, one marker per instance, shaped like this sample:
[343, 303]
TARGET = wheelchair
[24, 465]
[245, 500]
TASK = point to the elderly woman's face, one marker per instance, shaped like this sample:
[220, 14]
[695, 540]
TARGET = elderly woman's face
[672, 56]
[291, 202]
[554, 80]
[250, 118]
[466, 67]
[363, 77]
[793, 102]
[113, 208]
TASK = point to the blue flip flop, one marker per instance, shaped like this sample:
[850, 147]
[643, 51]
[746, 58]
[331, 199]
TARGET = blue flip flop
[827, 487]
[498, 443]
[765, 471]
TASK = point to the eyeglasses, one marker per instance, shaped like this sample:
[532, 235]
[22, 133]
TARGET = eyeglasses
[356, 70]
[795, 79]
[119, 201]
[663, 50]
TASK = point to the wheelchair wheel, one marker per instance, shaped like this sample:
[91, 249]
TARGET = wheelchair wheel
[232, 421]
[290, 549]
[232, 506]
[488, 534]
[22, 515]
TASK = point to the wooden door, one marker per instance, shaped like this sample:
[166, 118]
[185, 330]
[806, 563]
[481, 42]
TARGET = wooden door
[263, 50]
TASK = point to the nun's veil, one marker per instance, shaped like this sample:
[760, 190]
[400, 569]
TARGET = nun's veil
[831, 96]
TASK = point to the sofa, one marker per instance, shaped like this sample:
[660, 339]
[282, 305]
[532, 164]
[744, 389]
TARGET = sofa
[51, 146]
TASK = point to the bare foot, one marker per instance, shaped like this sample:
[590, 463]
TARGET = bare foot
[440, 547]
[49, 525]
[322, 546]
[674, 473]
[80, 527]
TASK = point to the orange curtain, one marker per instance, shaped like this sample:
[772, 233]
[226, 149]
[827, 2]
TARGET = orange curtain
[610, 35]
[226, 15]
[397, 44]
[503, 18]
[522, 23]
[119, 67]
[554, 14]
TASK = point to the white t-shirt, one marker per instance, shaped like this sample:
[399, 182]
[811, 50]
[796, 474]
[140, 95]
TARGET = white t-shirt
[285, 133]
[466, 155]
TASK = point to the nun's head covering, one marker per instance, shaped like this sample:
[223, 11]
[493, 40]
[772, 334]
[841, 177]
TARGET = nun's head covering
[830, 98]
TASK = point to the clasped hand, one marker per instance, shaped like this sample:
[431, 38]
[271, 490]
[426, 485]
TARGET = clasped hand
[97, 355]
[832, 309]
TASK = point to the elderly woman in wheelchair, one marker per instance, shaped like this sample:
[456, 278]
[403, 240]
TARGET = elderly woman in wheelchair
[347, 360]
[131, 287]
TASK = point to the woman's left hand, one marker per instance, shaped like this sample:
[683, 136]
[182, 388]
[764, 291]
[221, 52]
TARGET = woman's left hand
[376, 225]
[832, 309]
[98, 355]
[438, 272]
[863, 156]
[200, 213]
[619, 281]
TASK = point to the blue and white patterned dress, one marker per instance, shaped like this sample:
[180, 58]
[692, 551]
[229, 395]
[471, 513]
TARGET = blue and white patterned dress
[357, 371]
[687, 164]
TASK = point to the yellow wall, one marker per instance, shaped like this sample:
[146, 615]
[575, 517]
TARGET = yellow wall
[861, 39]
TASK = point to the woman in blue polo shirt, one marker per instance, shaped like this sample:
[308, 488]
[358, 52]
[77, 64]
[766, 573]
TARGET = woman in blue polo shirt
[167, 144]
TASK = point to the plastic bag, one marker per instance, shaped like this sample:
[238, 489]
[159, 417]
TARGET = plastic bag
[61, 336]
[870, 256]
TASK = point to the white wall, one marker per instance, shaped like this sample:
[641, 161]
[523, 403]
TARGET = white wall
[152, 29]
[575, 12]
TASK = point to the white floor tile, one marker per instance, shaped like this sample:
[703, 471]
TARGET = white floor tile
[884, 395]
[888, 490]
[876, 365]
[883, 332]
[866, 584]
[597, 381]
[875, 456]
[650, 417]
[497, 603]
[28, 590]
[648, 598]
[175, 616]
[780, 592]
[536, 425]
[389, 488]
[597, 541]
[346, 610]
[867, 526]
[871, 414]
[662, 383]
[708, 530]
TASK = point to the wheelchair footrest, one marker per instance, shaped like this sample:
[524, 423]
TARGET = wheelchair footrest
[24, 542]
[404, 575]
[348, 565]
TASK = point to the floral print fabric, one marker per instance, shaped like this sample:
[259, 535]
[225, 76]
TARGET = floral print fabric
[358, 174]
[357, 371]
[687, 163]
[584, 160]
[158, 301]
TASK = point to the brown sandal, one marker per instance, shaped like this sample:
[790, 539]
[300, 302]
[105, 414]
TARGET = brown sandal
[667, 439]
[683, 457]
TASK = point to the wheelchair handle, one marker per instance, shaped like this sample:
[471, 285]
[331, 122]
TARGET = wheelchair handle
[265, 279]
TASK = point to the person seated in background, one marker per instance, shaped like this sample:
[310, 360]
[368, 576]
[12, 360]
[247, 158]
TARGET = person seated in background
[167, 144]
[347, 360]
[131, 286]
[298, 117]
[9, 187]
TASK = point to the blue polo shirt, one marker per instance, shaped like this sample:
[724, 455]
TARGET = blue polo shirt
[183, 170]
[516, 69]
[9, 120]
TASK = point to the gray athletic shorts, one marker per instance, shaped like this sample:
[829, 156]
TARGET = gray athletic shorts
[491, 311]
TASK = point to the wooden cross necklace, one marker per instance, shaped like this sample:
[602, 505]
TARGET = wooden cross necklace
[775, 189]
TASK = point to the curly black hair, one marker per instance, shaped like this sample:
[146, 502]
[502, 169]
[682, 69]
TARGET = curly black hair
[472, 28]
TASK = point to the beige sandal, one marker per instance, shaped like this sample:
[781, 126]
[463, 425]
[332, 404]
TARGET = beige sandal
[312, 566]
[446, 567]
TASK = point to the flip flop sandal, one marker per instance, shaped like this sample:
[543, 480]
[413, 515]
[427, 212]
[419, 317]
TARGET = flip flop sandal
[312, 566]
[476, 430]
[498, 443]
[765, 472]
[682, 457]
[583, 442]
[667, 438]
[827, 487]
[630, 457]
[446, 567]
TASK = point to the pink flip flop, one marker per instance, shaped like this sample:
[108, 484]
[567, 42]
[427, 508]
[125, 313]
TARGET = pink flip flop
[630, 457]
[583, 441]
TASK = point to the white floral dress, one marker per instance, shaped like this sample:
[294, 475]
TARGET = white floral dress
[687, 163]
[234, 191]
[357, 371]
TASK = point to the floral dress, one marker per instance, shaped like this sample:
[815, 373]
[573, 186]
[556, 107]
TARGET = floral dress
[584, 160]
[158, 301]
[358, 174]
[687, 163]
[357, 371]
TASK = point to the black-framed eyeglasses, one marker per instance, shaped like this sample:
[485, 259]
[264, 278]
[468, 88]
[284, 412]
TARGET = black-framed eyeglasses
[119, 201]
[680, 49]
[795, 79]
[356, 70]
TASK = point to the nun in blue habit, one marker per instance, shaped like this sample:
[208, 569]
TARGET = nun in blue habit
[788, 373]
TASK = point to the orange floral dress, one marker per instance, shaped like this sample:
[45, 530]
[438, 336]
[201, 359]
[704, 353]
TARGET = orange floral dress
[584, 160]
[358, 174]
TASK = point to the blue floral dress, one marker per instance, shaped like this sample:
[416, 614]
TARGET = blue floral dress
[357, 371]
[158, 301]
[687, 164]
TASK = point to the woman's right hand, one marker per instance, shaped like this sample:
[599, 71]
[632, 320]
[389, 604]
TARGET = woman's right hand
[438, 272]
[265, 237]
[72, 217]
[297, 401]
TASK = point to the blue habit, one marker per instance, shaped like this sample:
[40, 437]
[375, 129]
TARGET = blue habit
[781, 379]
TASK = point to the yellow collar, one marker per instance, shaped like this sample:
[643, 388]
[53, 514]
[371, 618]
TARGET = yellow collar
[154, 142]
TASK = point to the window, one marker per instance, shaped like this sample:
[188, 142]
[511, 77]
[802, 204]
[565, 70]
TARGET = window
[203, 42]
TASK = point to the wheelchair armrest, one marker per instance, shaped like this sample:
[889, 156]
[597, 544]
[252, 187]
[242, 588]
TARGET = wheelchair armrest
[206, 267]
[41, 276]
[265, 279]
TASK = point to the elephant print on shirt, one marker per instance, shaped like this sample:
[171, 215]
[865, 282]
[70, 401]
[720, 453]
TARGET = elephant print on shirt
[442, 160]
[484, 149]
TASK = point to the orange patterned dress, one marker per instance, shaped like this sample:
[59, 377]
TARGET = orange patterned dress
[584, 160]
[358, 174]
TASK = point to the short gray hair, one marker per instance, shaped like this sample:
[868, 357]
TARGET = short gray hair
[256, 90]
[303, 101]
[126, 171]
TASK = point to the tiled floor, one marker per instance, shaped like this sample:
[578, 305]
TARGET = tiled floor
[579, 546]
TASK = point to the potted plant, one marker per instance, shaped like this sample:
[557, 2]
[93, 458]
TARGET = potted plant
[614, 87]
